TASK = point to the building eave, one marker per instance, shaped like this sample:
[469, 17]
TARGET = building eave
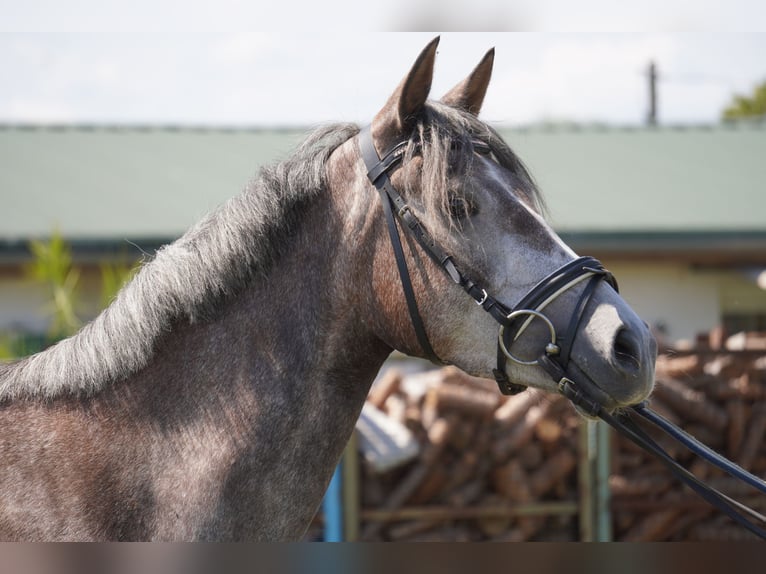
[735, 247]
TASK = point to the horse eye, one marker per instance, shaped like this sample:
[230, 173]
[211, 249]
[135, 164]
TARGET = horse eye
[461, 208]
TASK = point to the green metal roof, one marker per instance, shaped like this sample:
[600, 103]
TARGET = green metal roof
[650, 180]
[108, 184]
[96, 183]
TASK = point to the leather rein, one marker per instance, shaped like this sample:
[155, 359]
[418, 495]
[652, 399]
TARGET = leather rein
[556, 355]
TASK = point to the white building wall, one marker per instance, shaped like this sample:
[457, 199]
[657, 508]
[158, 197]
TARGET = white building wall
[26, 306]
[671, 297]
[674, 297]
[22, 306]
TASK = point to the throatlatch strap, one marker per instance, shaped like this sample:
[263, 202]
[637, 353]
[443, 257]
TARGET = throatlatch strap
[377, 169]
[404, 274]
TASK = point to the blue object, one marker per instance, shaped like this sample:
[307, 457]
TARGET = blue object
[332, 508]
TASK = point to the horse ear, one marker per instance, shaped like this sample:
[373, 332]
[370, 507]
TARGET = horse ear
[469, 94]
[407, 100]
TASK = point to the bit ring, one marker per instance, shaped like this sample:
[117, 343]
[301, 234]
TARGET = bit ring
[550, 349]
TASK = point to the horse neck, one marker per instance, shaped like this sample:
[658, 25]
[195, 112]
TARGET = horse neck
[280, 375]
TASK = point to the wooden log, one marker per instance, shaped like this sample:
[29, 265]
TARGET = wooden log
[465, 433]
[511, 481]
[512, 535]
[717, 337]
[744, 387]
[628, 460]
[396, 407]
[717, 531]
[520, 434]
[551, 472]
[413, 417]
[639, 485]
[753, 439]
[482, 440]
[653, 527]
[465, 468]
[677, 532]
[513, 484]
[438, 436]
[467, 494]
[515, 408]
[448, 513]
[492, 526]
[691, 404]
[431, 486]
[445, 533]
[548, 431]
[430, 411]
[700, 469]
[407, 530]
[725, 366]
[751, 341]
[530, 455]
[454, 376]
[373, 493]
[387, 385]
[737, 412]
[464, 399]
[679, 366]
[622, 521]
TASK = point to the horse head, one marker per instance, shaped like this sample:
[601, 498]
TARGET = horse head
[472, 200]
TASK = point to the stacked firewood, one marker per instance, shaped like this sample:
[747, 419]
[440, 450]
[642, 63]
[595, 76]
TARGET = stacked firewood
[484, 459]
[716, 392]
[505, 468]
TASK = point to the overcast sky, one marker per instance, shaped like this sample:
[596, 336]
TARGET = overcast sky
[304, 78]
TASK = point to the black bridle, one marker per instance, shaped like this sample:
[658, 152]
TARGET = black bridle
[556, 354]
[512, 321]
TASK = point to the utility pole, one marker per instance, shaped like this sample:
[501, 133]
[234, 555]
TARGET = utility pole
[651, 117]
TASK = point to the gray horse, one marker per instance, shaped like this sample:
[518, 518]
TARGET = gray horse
[213, 398]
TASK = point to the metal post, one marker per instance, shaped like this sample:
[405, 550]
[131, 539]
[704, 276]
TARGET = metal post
[595, 516]
[351, 490]
[585, 481]
[603, 468]
[651, 117]
[332, 508]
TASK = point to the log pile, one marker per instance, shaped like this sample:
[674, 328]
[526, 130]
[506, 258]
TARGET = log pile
[716, 392]
[487, 466]
[505, 468]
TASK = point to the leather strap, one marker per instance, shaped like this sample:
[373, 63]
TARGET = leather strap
[377, 173]
[404, 274]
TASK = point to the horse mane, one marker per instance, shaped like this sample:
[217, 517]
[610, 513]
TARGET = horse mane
[185, 280]
[444, 136]
[216, 258]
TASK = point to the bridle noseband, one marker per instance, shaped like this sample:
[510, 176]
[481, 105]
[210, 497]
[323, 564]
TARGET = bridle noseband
[555, 356]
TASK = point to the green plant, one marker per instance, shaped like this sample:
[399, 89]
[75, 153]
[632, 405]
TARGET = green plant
[752, 106]
[52, 266]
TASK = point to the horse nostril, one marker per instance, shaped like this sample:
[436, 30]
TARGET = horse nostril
[627, 351]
